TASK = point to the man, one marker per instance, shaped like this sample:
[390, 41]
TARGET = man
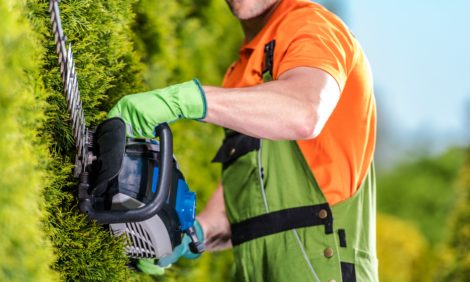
[297, 197]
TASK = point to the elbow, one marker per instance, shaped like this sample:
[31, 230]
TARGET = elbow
[307, 126]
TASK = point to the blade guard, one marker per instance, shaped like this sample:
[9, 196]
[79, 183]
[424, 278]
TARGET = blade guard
[114, 130]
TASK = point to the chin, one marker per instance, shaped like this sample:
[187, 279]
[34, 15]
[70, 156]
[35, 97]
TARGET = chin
[249, 9]
[246, 16]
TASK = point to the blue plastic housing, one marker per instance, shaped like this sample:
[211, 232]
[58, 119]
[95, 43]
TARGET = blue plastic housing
[185, 205]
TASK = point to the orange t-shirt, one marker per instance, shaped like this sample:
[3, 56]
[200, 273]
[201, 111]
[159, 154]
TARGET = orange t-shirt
[308, 35]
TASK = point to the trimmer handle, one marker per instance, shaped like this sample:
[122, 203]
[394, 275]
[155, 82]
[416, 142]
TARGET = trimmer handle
[195, 245]
[164, 182]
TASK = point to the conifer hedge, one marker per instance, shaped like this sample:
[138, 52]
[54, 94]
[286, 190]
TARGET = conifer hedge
[25, 254]
[170, 41]
[107, 68]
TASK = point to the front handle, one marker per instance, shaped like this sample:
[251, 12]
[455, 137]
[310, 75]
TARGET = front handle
[165, 177]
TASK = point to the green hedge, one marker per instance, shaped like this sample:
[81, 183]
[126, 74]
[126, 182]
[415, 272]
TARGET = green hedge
[107, 68]
[175, 41]
[25, 254]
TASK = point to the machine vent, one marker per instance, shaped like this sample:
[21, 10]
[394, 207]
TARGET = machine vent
[140, 244]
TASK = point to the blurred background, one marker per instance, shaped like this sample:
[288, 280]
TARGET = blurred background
[418, 54]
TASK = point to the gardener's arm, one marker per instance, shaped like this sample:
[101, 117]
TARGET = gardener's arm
[215, 224]
[296, 106]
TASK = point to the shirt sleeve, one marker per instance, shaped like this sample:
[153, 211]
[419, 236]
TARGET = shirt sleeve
[319, 42]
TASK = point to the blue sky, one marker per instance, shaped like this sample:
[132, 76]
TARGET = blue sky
[420, 56]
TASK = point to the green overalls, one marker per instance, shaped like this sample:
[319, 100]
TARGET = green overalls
[282, 226]
[272, 190]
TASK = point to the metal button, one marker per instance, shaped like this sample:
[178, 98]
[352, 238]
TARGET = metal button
[232, 151]
[322, 214]
[328, 252]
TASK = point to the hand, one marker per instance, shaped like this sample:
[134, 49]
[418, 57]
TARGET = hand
[183, 250]
[143, 111]
[148, 266]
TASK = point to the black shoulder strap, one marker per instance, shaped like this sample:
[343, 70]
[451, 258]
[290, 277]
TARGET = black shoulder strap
[234, 146]
[268, 62]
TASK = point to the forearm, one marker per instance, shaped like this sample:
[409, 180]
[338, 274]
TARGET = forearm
[214, 223]
[294, 107]
[265, 117]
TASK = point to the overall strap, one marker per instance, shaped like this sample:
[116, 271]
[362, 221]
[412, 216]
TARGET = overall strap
[268, 63]
[234, 146]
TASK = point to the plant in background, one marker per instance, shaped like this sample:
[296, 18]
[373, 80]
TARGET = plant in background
[400, 247]
[180, 40]
[422, 191]
[420, 194]
[458, 266]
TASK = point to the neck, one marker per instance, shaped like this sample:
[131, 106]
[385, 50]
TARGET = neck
[251, 27]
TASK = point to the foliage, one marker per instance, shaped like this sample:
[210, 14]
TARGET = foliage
[422, 191]
[24, 250]
[458, 269]
[180, 40]
[107, 68]
[421, 195]
[400, 248]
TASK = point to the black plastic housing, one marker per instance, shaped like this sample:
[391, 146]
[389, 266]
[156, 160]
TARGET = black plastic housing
[107, 166]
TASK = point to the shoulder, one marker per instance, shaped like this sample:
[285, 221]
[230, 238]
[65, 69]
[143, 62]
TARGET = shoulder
[311, 24]
[311, 18]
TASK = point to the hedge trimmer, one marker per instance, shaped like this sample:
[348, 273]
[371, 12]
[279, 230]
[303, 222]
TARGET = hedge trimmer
[133, 185]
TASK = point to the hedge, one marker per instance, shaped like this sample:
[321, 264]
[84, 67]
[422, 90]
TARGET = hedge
[107, 68]
[25, 253]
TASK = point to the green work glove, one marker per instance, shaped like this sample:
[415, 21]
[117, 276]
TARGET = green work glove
[182, 250]
[143, 111]
[148, 266]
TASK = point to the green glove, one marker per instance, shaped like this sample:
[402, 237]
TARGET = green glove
[148, 266]
[143, 111]
[182, 250]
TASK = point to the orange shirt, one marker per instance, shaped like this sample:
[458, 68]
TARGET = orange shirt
[308, 35]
